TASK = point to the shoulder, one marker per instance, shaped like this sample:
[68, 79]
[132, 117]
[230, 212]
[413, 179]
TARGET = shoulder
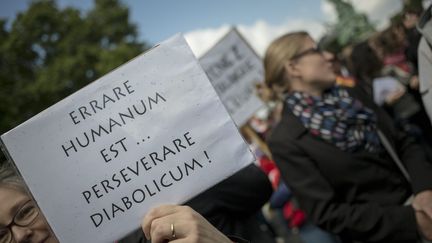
[289, 128]
[285, 137]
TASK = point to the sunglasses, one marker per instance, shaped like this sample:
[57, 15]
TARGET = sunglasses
[314, 50]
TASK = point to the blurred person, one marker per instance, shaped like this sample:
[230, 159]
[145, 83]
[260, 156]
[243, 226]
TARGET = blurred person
[391, 95]
[366, 66]
[351, 170]
[408, 108]
[410, 18]
[367, 69]
[392, 45]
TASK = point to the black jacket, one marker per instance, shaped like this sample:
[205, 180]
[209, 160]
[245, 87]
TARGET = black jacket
[358, 196]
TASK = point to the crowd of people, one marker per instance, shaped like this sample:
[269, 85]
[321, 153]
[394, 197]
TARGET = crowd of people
[343, 153]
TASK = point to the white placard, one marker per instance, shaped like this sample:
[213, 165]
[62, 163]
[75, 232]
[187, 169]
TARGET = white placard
[234, 68]
[384, 87]
[152, 131]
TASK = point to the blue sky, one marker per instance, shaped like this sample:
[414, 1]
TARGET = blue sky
[158, 20]
[203, 22]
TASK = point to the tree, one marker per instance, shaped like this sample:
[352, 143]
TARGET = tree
[48, 53]
[409, 6]
[350, 27]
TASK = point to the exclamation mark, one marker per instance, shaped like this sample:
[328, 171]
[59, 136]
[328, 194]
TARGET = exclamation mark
[205, 152]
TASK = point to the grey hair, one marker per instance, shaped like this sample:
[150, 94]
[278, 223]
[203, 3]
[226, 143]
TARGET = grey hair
[9, 178]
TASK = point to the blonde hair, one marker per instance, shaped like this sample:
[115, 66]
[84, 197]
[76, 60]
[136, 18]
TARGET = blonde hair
[278, 53]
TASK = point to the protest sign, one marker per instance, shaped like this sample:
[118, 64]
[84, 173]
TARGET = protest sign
[152, 131]
[234, 68]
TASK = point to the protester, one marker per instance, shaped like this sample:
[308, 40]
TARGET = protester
[338, 151]
[410, 18]
[22, 221]
[388, 92]
[391, 90]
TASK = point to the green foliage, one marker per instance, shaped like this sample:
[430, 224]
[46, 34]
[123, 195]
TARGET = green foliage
[48, 53]
[350, 27]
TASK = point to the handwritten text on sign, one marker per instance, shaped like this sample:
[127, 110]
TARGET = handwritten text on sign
[234, 69]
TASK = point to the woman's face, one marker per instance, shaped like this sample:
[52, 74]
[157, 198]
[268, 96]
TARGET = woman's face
[314, 67]
[17, 207]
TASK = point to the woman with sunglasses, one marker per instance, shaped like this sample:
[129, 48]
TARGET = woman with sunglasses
[350, 169]
[22, 221]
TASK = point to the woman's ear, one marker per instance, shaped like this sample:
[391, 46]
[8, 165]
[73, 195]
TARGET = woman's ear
[291, 69]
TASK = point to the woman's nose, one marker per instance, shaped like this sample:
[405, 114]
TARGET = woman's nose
[21, 234]
[328, 56]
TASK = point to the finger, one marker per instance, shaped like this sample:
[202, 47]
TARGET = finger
[155, 213]
[428, 212]
[168, 228]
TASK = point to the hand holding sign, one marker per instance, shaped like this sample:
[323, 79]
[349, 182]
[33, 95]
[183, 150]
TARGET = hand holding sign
[180, 224]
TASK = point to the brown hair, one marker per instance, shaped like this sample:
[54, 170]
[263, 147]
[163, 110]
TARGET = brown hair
[390, 40]
[278, 53]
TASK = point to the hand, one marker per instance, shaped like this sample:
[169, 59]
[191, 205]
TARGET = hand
[189, 226]
[424, 224]
[414, 83]
[423, 203]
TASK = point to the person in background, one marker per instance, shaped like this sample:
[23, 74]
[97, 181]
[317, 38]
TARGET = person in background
[390, 94]
[410, 19]
[406, 107]
[351, 170]
[367, 70]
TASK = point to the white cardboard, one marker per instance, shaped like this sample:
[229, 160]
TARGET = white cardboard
[189, 105]
[234, 68]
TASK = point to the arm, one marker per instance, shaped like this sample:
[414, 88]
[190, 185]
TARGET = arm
[364, 222]
[414, 158]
